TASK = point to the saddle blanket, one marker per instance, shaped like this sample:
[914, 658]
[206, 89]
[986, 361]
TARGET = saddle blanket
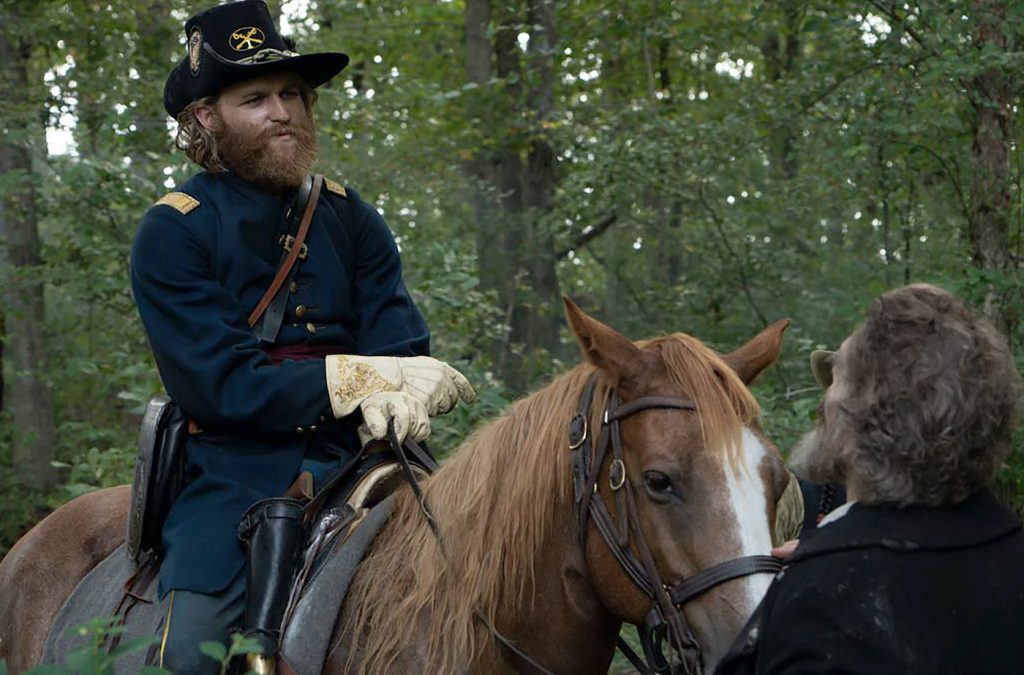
[305, 640]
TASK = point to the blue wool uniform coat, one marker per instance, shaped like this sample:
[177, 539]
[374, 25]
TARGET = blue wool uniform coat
[199, 266]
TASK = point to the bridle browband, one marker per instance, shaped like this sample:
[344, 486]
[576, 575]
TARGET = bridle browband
[665, 620]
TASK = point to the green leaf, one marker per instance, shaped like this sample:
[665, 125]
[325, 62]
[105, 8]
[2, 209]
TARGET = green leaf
[215, 650]
[248, 647]
[85, 658]
[133, 645]
[46, 670]
[244, 645]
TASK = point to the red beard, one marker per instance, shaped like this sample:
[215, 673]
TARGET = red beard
[261, 160]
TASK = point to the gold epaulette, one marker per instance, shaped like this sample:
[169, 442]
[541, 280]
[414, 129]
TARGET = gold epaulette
[179, 201]
[336, 188]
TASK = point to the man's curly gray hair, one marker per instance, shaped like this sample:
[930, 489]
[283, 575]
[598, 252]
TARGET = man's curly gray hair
[926, 400]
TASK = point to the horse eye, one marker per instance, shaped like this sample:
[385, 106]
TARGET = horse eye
[657, 481]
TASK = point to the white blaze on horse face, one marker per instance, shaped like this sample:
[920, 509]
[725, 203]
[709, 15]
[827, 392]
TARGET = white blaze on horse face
[748, 496]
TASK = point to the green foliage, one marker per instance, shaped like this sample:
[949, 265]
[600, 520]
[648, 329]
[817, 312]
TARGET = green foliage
[92, 658]
[223, 655]
[759, 160]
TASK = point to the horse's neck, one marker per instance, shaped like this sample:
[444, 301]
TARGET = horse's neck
[506, 517]
[563, 626]
[559, 623]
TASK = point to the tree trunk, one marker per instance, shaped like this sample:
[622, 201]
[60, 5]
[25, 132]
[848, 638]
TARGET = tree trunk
[662, 246]
[781, 48]
[543, 316]
[481, 167]
[513, 183]
[28, 397]
[991, 96]
[3, 339]
[156, 33]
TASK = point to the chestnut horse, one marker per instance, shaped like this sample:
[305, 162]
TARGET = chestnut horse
[705, 481]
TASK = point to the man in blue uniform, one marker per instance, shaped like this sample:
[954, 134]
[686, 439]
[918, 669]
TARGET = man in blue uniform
[347, 355]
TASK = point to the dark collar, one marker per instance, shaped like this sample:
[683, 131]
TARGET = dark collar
[229, 180]
[978, 519]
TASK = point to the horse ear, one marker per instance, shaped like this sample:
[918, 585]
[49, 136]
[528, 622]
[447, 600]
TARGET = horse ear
[607, 349]
[750, 359]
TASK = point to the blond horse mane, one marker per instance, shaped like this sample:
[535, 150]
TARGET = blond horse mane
[497, 500]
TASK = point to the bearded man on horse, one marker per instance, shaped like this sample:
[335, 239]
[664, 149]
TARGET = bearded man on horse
[922, 570]
[340, 343]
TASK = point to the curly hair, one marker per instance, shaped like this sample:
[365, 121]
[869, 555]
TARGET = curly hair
[200, 144]
[926, 401]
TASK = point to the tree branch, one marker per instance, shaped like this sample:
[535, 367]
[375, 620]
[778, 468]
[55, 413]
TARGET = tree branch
[950, 173]
[589, 234]
[740, 264]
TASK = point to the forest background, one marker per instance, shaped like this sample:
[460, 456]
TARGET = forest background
[706, 166]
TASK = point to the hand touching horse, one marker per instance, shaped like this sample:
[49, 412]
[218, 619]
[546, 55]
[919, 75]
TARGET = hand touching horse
[689, 484]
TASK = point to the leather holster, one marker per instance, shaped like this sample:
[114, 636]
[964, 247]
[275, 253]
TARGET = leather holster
[159, 475]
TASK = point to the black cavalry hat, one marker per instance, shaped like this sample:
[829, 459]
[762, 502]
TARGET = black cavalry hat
[235, 42]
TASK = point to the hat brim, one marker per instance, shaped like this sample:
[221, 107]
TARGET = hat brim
[314, 69]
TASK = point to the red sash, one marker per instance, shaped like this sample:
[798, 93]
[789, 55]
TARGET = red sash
[302, 352]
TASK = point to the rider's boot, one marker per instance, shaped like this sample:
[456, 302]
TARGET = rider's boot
[272, 532]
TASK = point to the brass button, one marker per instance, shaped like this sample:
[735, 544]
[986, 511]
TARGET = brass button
[313, 427]
[299, 430]
[300, 311]
[293, 287]
[323, 418]
[310, 328]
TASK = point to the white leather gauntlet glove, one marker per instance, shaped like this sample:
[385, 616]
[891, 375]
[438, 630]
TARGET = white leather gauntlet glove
[435, 384]
[410, 416]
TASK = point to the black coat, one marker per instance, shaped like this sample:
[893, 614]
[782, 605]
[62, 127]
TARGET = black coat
[889, 590]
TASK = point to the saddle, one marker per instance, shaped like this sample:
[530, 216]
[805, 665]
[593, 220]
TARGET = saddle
[349, 512]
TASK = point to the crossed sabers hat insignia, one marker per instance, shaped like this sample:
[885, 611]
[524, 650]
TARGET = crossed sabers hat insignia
[246, 38]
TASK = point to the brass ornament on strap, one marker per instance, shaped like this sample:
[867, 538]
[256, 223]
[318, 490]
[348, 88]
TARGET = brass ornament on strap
[287, 241]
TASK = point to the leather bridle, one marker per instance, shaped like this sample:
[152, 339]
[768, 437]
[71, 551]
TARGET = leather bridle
[665, 620]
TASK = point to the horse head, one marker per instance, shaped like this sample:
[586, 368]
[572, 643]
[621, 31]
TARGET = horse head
[700, 476]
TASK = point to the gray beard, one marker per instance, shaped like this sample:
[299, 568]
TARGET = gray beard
[814, 462]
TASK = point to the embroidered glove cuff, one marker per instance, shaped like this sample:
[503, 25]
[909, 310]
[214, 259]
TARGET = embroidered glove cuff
[435, 384]
[350, 379]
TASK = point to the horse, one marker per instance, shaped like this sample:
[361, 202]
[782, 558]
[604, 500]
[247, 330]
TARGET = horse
[510, 577]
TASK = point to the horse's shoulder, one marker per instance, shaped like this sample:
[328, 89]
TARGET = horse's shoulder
[45, 565]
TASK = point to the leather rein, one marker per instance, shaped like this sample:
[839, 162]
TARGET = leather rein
[665, 620]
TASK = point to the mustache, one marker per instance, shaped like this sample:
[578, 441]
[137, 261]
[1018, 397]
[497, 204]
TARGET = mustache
[302, 132]
[252, 155]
